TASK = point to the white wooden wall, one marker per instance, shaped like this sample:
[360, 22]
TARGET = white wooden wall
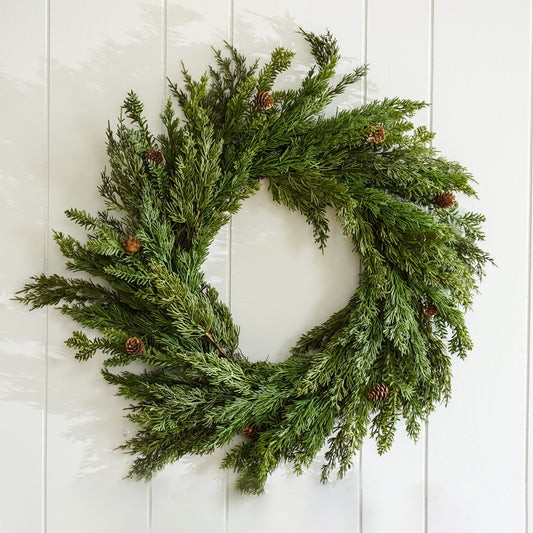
[65, 67]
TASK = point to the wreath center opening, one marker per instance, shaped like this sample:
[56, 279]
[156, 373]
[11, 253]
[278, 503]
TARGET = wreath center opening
[281, 283]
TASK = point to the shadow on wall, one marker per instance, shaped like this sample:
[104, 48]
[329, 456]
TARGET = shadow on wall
[83, 97]
[283, 31]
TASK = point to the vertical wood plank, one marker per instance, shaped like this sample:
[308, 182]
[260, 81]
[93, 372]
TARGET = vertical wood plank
[99, 51]
[398, 52]
[190, 495]
[23, 236]
[281, 284]
[398, 56]
[476, 444]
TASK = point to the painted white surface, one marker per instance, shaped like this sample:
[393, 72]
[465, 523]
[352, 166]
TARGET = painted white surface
[477, 444]
[23, 230]
[65, 67]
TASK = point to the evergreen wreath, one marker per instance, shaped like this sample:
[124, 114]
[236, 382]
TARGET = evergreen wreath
[384, 356]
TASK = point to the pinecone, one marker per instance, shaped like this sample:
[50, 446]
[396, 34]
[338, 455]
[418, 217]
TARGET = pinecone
[445, 200]
[249, 431]
[378, 393]
[377, 136]
[430, 310]
[131, 244]
[134, 346]
[263, 100]
[155, 156]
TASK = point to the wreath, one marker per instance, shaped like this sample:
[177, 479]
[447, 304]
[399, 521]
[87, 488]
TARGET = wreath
[384, 356]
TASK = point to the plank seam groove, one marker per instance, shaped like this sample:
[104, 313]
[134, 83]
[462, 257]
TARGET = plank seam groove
[46, 266]
[164, 47]
[149, 507]
[431, 61]
[364, 51]
[530, 281]
[229, 285]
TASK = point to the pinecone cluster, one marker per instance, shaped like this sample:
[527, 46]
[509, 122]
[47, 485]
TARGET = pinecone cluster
[134, 346]
[430, 310]
[131, 244]
[264, 100]
[378, 393]
[154, 156]
[377, 136]
[445, 200]
[249, 432]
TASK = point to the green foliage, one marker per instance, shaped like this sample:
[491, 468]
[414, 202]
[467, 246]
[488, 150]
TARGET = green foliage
[197, 391]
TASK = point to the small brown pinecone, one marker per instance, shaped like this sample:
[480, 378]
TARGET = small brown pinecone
[131, 244]
[249, 431]
[378, 393]
[155, 156]
[377, 136]
[134, 346]
[445, 200]
[430, 310]
[264, 100]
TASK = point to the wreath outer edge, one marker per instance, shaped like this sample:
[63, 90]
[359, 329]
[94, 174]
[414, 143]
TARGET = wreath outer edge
[385, 356]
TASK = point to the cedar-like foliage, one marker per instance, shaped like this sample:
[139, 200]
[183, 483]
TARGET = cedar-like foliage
[197, 391]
